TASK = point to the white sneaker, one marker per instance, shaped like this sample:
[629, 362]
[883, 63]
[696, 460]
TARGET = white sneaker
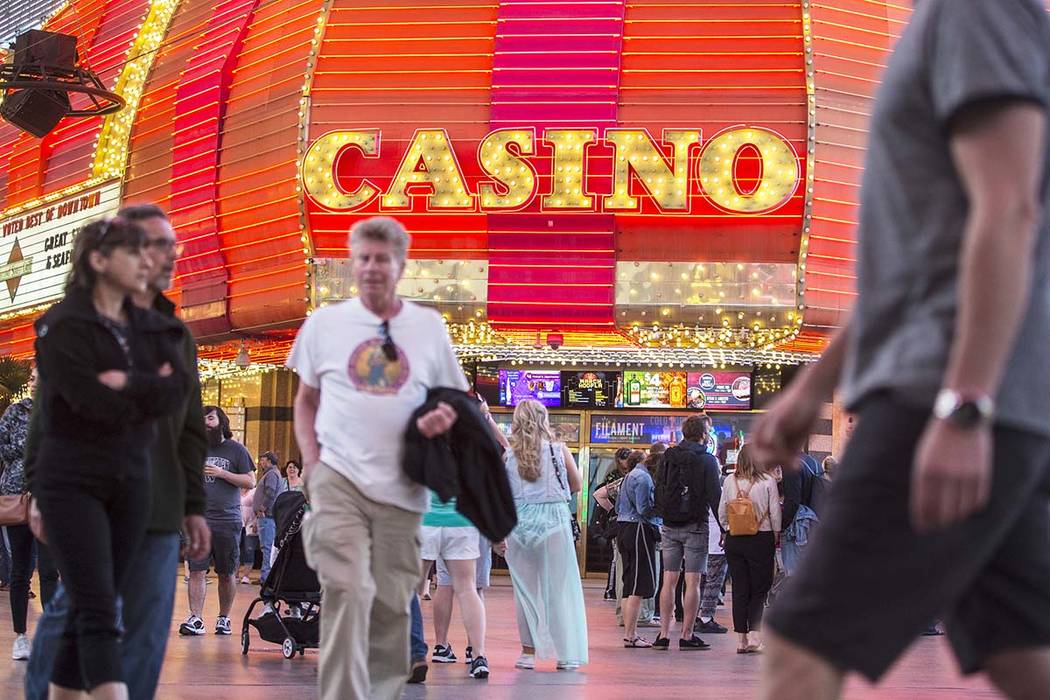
[21, 648]
[567, 666]
[192, 626]
[526, 661]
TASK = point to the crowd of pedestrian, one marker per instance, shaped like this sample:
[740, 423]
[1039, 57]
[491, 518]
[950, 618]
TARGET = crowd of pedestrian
[942, 484]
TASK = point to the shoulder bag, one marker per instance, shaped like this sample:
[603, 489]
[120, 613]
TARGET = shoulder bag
[14, 510]
[573, 520]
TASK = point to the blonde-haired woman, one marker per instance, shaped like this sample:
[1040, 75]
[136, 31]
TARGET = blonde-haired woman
[540, 552]
[750, 557]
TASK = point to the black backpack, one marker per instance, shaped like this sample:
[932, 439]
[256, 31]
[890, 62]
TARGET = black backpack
[675, 501]
[604, 525]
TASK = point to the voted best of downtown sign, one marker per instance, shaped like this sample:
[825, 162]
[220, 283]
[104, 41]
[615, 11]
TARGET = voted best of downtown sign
[556, 170]
[36, 245]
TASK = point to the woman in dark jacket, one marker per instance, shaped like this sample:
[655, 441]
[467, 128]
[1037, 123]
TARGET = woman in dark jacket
[24, 549]
[107, 370]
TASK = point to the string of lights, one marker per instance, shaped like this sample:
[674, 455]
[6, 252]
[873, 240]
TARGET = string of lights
[630, 357]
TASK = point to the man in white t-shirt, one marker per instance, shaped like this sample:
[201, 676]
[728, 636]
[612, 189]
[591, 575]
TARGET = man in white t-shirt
[365, 366]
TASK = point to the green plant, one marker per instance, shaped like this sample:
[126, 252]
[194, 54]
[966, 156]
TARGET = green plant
[14, 376]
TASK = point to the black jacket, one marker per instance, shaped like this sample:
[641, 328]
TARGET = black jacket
[178, 452]
[465, 463]
[182, 445]
[84, 424]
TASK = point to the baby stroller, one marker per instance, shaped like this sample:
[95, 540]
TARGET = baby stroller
[291, 594]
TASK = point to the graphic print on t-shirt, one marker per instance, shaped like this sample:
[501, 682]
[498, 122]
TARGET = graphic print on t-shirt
[371, 372]
[220, 462]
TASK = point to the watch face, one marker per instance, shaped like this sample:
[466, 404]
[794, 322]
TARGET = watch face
[966, 415]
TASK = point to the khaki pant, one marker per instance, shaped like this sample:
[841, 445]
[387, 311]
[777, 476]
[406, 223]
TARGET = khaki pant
[366, 555]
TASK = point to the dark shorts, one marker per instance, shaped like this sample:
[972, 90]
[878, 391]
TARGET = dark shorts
[637, 545]
[868, 584]
[225, 549]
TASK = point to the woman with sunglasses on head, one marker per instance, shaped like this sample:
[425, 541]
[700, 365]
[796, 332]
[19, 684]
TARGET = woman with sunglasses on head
[107, 370]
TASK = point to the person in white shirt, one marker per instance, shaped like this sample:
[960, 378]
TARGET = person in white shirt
[364, 367]
[750, 557]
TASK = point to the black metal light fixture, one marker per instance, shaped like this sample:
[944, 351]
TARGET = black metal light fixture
[43, 73]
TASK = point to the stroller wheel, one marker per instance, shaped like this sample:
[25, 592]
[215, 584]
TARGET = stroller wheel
[289, 647]
[245, 642]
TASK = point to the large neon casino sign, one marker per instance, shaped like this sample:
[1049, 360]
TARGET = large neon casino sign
[556, 171]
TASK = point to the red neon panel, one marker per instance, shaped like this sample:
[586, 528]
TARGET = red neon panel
[200, 107]
[259, 150]
[851, 45]
[724, 65]
[386, 66]
[556, 79]
[70, 148]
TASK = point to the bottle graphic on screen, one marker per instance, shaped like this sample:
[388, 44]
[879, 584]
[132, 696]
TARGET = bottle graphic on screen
[677, 391]
[634, 392]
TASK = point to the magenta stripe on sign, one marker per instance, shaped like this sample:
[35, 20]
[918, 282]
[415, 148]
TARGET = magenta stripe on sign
[556, 65]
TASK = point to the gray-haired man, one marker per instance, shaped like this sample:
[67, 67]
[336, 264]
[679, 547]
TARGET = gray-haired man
[364, 367]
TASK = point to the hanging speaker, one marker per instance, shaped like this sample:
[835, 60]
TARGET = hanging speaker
[35, 111]
[38, 81]
[46, 48]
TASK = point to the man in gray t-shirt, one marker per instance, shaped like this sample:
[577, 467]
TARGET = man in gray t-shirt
[223, 496]
[228, 468]
[938, 511]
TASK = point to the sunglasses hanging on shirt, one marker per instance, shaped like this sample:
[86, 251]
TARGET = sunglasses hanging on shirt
[388, 347]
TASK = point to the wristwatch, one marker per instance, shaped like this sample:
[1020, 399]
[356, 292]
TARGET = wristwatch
[964, 411]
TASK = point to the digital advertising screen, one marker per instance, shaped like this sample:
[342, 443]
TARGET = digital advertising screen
[486, 383]
[636, 429]
[542, 385]
[719, 390]
[654, 389]
[592, 389]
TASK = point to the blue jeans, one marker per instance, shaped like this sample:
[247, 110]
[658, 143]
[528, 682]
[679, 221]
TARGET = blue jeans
[249, 543]
[147, 601]
[419, 642]
[267, 532]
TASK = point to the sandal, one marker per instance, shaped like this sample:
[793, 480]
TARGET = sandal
[756, 648]
[637, 643]
[743, 650]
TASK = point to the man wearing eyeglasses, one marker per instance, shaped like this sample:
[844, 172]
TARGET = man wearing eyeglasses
[177, 461]
[364, 367]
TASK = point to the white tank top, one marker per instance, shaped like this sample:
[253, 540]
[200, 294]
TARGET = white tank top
[546, 489]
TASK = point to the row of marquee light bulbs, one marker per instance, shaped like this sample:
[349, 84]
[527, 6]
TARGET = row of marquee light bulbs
[515, 181]
[478, 331]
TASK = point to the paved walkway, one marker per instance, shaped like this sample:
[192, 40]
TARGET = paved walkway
[210, 667]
